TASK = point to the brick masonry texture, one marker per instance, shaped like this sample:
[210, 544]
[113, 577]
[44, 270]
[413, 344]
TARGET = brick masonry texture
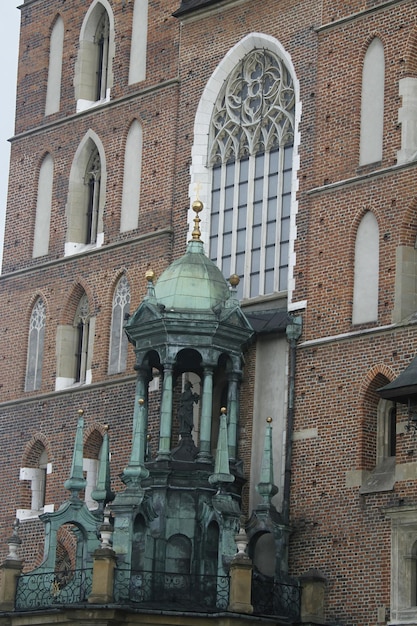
[336, 530]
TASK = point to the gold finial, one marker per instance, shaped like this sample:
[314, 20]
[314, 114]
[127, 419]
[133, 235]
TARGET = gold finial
[223, 410]
[150, 275]
[269, 420]
[234, 280]
[197, 206]
[148, 437]
[106, 427]
[80, 412]
[141, 401]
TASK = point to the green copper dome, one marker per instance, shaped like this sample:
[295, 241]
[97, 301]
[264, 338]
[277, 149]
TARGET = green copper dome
[192, 282]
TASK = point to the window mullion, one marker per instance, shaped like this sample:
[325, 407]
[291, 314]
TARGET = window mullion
[264, 226]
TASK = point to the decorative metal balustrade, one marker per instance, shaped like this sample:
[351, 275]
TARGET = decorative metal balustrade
[276, 598]
[181, 592]
[35, 591]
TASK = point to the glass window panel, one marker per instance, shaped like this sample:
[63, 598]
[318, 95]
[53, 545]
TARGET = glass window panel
[214, 223]
[215, 200]
[285, 229]
[286, 182]
[226, 266]
[254, 285]
[243, 193]
[228, 220]
[259, 165]
[256, 236]
[228, 197]
[273, 186]
[283, 274]
[241, 241]
[273, 161]
[230, 174]
[241, 217]
[217, 171]
[288, 158]
[286, 205]
[272, 209]
[270, 257]
[257, 213]
[240, 264]
[255, 260]
[213, 247]
[227, 243]
[258, 190]
[283, 255]
[269, 281]
[244, 170]
[271, 234]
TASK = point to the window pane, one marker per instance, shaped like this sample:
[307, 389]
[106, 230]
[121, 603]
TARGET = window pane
[288, 158]
[228, 197]
[257, 213]
[241, 241]
[255, 260]
[213, 247]
[240, 264]
[258, 190]
[259, 165]
[269, 281]
[215, 200]
[244, 170]
[214, 225]
[270, 257]
[227, 243]
[226, 266]
[228, 217]
[256, 237]
[286, 205]
[285, 229]
[254, 285]
[216, 177]
[273, 186]
[270, 234]
[283, 255]
[273, 161]
[272, 209]
[286, 184]
[230, 174]
[243, 193]
[241, 217]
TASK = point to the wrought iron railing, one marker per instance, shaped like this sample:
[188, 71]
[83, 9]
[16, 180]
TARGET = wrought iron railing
[276, 598]
[35, 591]
[182, 592]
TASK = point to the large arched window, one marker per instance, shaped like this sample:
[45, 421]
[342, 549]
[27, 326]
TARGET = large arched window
[118, 338]
[35, 346]
[251, 152]
[53, 90]
[43, 207]
[372, 103]
[93, 72]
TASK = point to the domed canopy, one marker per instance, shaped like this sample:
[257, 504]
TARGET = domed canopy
[192, 282]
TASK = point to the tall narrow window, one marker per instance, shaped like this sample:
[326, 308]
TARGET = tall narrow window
[82, 326]
[43, 207]
[118, 338]
[93, 69]
[35, 346]
[251, 145]
[372, 103]
[92, 181]
[131, 178]
[366, 272]
[86, 196]
[53, 90]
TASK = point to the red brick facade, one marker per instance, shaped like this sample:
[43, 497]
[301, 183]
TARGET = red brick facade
[335, 529]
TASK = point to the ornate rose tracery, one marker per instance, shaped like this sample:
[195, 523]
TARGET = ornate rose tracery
[255, 110]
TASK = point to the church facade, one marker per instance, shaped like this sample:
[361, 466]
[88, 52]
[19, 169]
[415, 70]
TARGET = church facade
[161, 150]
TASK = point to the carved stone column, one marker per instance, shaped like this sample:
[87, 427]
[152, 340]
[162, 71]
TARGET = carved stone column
[204, 455]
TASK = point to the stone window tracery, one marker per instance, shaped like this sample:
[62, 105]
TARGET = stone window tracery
[35, 346]
[118, 338]
[251, 144]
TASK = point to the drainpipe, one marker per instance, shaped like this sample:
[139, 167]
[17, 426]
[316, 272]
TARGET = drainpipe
[293, 331]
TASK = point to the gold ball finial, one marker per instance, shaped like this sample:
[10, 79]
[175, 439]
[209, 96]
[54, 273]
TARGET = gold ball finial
[197, 206]
[106, 427]
[80, 412]
[148, 437]
[150, 275]
[141, 401]
[269, 420]
[223, 410]
[234, 280]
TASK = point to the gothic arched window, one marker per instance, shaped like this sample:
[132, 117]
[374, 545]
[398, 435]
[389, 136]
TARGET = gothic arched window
[250, 152]
[35, 346]
[118, 338]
